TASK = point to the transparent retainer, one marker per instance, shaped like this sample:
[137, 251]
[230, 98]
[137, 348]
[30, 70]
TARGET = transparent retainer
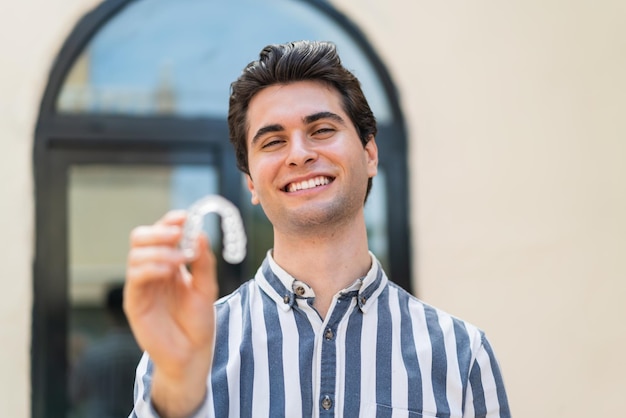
[233, 233]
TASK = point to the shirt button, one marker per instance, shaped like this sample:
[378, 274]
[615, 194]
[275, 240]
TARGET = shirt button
[363, 300]
[329, 334]
[300, 290]
[286, 298]
[327, 403]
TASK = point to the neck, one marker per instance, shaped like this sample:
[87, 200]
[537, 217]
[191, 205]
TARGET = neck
[328, 260]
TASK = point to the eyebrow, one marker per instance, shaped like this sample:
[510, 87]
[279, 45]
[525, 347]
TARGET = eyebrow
[307, 120]
[266, 129]
[323, 115]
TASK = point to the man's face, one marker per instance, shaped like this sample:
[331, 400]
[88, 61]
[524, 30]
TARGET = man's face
[307, 163]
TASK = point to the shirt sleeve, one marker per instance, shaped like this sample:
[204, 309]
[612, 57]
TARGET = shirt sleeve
[143, 407]
[486, 396]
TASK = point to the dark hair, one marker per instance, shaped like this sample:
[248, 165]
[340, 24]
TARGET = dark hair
[288, 63]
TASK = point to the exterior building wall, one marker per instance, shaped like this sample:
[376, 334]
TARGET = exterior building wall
[31, 34]
[518, 142]
[516, 119]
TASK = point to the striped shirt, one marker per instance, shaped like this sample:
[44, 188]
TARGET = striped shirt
[380, 352]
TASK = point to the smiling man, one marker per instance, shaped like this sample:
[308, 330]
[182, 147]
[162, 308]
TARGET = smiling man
[320, 330]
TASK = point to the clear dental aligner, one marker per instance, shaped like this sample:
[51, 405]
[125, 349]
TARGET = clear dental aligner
[233, 233]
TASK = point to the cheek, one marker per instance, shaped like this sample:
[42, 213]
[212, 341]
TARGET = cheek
[262, 172]
[265, 166]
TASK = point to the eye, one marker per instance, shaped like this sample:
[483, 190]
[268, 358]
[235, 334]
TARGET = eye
[323, 132]
[272, 142]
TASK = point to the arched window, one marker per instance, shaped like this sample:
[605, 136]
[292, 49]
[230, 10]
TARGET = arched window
[133, 123]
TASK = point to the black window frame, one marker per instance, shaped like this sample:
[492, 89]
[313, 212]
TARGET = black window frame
[62, 140]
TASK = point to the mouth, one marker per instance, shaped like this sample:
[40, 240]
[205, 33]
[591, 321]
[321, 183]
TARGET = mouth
[307, 184]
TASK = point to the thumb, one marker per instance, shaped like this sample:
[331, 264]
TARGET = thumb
[204, 269]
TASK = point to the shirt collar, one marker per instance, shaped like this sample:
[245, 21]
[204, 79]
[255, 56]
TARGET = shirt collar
[284, 289]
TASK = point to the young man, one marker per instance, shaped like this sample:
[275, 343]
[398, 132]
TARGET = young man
[320, 331]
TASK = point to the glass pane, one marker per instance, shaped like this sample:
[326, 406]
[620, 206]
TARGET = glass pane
[259, 230]
[105, 203]
[376, 219]
[179, 57]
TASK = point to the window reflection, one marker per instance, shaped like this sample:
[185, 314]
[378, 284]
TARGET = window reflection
[105, 203]
[103, 361]
[160, 57]
[258, 228]
[376, 219]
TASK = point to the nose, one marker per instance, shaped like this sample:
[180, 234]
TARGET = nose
[300, 151]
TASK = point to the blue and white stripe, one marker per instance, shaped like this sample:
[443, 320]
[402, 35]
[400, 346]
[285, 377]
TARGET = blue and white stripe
[379, 352]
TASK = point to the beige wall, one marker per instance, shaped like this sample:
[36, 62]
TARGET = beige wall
[518, 138]
[517, 114]
[31, 33]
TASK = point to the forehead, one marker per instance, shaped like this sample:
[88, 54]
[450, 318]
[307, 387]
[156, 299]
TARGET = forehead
[287, 103]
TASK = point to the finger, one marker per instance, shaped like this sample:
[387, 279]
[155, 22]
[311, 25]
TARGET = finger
[155, 254]
[157, 234]
[150, 272]
[166, 230]
[204, 269]
[173, 217]
[145, 285]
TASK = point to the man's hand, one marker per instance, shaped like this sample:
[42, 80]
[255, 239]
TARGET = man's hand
[171, 312]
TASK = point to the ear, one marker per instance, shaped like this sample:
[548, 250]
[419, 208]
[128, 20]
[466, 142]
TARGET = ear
[371, 153]
[253, 196]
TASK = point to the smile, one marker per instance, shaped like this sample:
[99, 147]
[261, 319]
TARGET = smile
[308, 184]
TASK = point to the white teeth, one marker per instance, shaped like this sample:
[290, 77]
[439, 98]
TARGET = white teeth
[308, 184]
